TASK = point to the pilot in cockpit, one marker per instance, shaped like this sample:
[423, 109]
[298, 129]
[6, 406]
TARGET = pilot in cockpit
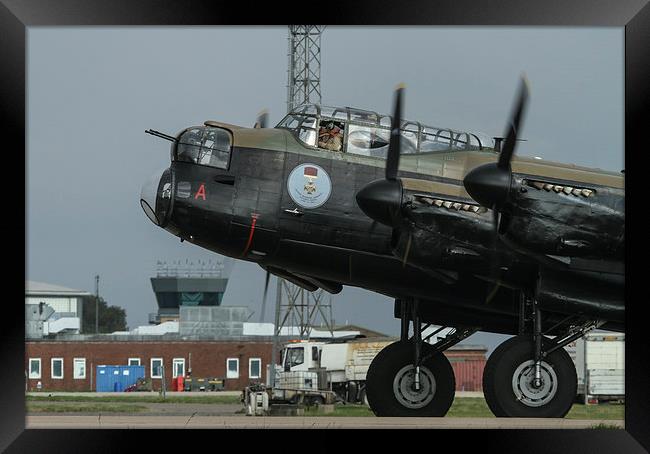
[330, 137]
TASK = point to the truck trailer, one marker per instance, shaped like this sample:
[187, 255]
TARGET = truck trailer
[599, 358]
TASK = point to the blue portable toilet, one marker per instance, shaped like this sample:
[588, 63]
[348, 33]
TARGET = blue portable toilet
[103, 380]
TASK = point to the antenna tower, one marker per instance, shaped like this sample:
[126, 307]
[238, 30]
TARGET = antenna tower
[294, 306]
[303, 85]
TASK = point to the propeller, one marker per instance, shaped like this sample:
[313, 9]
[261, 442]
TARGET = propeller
[490, 184]
[262, 119]
[381, 200]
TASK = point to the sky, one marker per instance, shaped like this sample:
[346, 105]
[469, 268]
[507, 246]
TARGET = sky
[93, 91]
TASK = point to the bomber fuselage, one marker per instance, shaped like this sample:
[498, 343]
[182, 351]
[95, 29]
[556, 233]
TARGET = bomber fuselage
[286, 206]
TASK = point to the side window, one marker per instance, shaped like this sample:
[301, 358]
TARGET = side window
[368, 141]
[79, 368]
[156, 367]
[330, 135]
[57, 367]
[409, 142]
[304, 126]
[232, 368]
[296, 356]
[459, 141]
[254, 368]
[34, 367]
[435, 140]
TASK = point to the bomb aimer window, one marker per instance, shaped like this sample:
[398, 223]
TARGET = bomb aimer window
[204, 145]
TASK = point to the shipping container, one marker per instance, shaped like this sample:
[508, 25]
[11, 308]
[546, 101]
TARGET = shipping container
[117, 378]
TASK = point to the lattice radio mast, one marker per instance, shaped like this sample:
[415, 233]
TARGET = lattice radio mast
[294, 306]
[304, 65]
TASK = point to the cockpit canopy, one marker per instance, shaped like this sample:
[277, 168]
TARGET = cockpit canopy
[363, 132]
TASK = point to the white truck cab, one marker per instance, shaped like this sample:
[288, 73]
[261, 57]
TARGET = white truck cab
[301, 356]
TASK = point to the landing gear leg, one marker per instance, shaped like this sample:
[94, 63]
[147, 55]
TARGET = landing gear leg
[412, 377]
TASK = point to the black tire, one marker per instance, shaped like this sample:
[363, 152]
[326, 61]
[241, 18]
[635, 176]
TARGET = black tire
[383, 372]
[316, 400]
[507, 362]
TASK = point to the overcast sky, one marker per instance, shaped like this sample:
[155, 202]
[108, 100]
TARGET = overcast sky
[93, 91]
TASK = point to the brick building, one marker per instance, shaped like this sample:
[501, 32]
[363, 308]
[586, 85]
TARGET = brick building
[65, 365]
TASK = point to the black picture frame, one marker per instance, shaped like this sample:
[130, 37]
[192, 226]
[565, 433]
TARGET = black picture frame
[17, 15]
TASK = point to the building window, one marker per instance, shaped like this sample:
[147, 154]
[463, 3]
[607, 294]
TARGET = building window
[254, 368]
[178, 367]
[34, 367]
[57, 367]
[134, 362]
[232, 368]
[79, 369]
[156, 367]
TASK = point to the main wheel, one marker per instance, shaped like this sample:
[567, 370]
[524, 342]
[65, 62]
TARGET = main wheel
[390, 383]
[508, 381]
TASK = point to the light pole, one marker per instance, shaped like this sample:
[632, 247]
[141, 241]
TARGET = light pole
[97, 304]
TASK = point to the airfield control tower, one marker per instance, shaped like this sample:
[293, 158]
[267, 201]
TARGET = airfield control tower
[179, 284]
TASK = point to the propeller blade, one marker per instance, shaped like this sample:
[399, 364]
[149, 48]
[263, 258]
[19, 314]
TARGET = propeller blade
[394, 147]
[266, 289]
[514, 127]
[494, 263]
[262, 119]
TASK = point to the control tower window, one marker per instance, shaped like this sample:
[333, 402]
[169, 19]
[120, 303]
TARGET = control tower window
[205, 145]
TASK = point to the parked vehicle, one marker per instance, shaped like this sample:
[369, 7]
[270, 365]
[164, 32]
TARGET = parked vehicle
[599, 358]
[338, 366]
[316, 373]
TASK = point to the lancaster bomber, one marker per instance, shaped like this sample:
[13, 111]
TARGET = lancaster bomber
[455, 227]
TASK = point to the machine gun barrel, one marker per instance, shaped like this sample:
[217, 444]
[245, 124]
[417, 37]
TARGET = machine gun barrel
[162, 135]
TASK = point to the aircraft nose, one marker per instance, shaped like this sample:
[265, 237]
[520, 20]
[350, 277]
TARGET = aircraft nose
[155, 196]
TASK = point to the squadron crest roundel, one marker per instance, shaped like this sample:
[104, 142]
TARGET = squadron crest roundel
[309, 185]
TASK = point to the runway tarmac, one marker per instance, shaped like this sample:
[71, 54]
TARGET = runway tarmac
[299, 422]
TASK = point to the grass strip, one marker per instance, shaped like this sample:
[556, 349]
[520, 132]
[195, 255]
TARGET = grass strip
[89, 408]
[154, 399]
